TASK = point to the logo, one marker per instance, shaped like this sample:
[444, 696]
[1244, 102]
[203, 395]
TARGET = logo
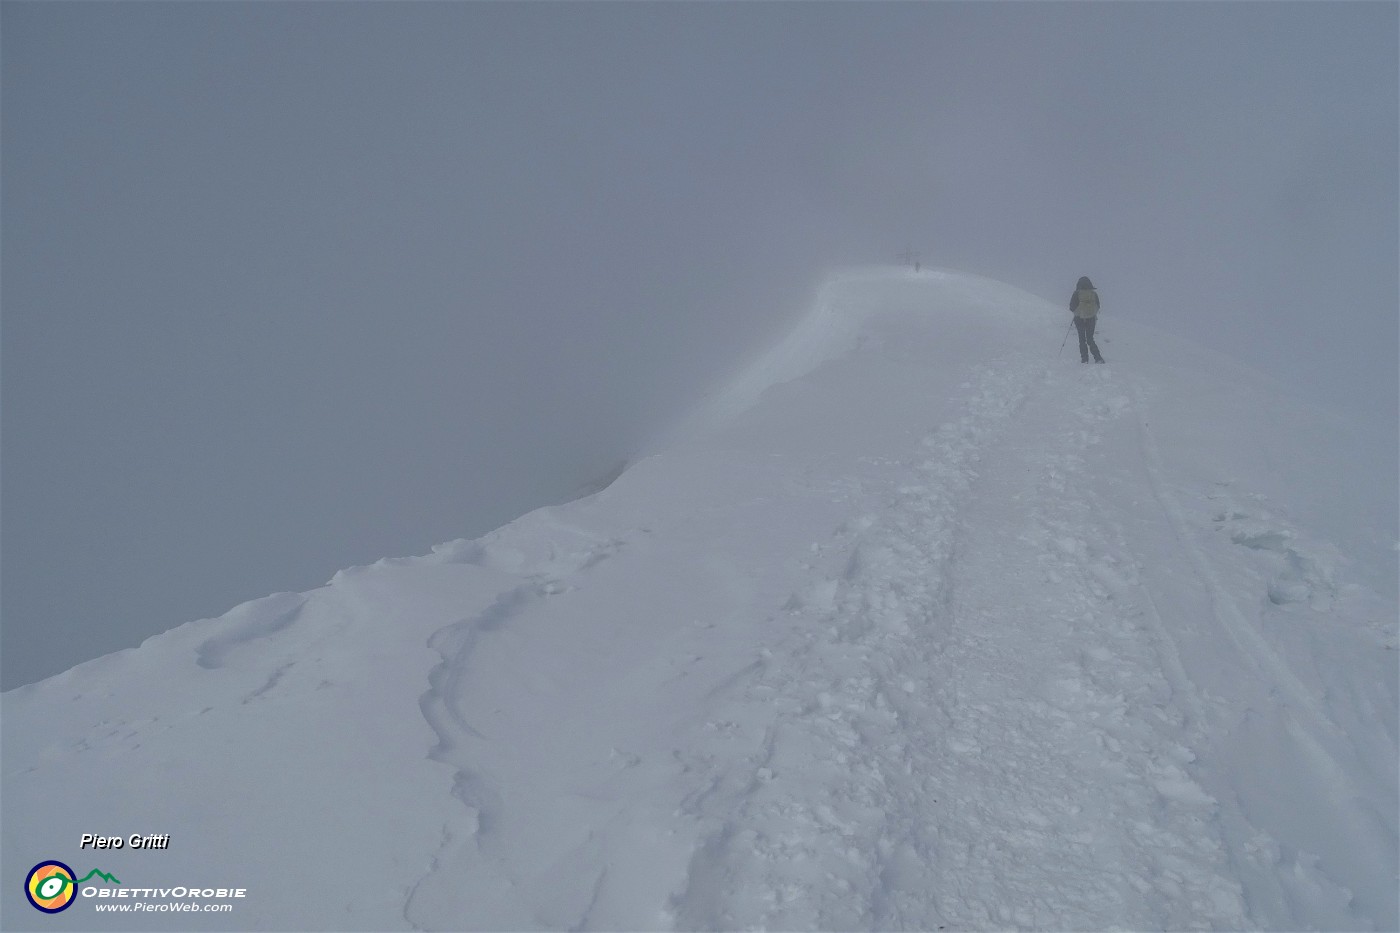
[52, 885]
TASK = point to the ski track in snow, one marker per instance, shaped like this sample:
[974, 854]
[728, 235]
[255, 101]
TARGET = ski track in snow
[1318, 749]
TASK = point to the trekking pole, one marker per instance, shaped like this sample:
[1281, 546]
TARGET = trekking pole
[1066, 340]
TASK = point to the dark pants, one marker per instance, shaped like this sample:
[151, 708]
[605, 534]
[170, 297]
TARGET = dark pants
[1085, 326]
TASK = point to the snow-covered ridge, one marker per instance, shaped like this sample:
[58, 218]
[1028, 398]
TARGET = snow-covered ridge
[919, 626]
[831, 327]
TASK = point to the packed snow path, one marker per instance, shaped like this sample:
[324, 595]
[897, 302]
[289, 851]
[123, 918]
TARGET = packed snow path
[913, 627]
[990, 718]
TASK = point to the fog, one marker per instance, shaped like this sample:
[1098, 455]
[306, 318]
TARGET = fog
[291, 287]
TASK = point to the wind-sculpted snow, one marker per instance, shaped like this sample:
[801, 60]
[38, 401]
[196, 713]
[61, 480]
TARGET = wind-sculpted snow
[251, 621]
[913, 626]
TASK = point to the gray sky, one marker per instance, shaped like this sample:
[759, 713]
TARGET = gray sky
[289, 287]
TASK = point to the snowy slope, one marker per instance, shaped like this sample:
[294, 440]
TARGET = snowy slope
[914, 625]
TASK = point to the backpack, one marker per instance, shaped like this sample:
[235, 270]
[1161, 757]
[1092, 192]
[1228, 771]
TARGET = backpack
[1086, 303]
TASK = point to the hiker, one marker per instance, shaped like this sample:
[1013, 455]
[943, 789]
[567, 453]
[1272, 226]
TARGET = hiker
[1085, 305]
